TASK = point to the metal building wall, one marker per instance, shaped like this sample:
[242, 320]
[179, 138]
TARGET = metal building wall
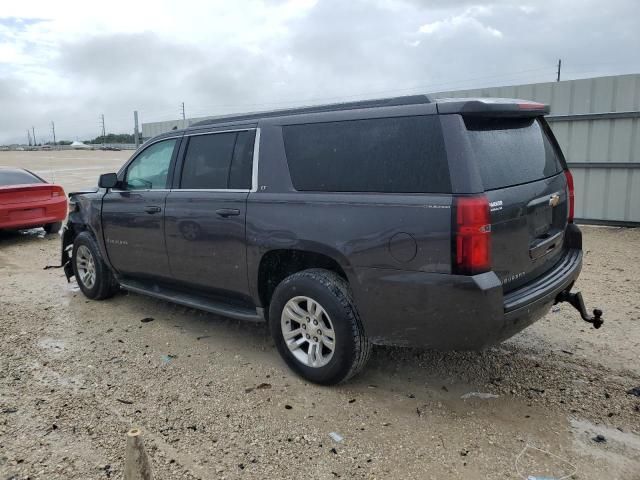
[150, 130]
[597, 123]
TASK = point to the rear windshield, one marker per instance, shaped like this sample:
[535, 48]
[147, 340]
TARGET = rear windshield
[17, 177]
[386, 155]
[511, 151]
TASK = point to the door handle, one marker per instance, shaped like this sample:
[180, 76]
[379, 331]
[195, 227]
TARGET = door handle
[152, 209]
[228, 212]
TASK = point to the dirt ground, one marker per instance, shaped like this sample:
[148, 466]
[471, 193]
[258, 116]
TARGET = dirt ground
[214, 400]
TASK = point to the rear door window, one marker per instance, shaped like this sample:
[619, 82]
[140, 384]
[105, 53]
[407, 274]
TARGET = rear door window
[219, 161]
[511, 151]
[387, 155]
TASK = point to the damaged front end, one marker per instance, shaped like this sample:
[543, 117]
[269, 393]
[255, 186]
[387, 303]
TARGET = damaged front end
[83, 212]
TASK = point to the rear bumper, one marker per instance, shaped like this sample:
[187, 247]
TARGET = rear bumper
[452, 312]
[33, 214]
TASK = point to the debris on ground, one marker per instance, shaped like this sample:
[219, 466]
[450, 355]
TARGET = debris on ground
[634, 391]
[147, 319]
[480, 395]
[599, 439]
[167, 358]
[336, 437]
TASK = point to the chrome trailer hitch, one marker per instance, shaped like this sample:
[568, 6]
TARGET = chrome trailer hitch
[576, 301]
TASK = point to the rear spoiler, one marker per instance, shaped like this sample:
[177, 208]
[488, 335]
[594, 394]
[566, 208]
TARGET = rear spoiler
[493, 107]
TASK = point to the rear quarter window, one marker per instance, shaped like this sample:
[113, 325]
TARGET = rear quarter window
[512, 151]
[387, 155]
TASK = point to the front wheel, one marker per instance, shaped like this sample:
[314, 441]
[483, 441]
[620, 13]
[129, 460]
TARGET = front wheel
[93, 276]
[316, 327]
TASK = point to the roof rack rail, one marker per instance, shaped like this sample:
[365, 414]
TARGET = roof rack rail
[381, 102]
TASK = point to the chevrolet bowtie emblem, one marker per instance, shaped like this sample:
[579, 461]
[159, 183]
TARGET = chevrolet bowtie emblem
[554, 200]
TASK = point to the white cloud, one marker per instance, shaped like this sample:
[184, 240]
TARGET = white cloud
[458, 23]
[69, 62]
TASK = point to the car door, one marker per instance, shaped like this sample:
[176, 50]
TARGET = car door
[133, 214]
[205, 212]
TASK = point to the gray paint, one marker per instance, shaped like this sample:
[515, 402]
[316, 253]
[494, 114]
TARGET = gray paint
[596, 121]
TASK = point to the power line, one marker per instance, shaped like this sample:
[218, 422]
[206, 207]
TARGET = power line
[440, 85]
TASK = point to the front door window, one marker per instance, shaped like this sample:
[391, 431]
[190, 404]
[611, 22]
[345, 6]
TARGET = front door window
[150, 169]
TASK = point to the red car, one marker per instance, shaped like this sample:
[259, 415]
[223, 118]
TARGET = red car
[28, 201]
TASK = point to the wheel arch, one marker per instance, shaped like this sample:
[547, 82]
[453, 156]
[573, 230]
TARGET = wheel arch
[277, 264]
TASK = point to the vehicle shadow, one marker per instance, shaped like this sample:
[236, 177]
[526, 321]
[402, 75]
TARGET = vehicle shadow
[387, 365]
[10, 238]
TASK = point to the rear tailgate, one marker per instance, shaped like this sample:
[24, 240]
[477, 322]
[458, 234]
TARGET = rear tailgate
[521, 168]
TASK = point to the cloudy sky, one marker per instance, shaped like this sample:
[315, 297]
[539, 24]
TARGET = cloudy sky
[71, 61]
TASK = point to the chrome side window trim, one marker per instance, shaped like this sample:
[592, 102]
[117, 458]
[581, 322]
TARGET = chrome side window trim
[220, 131]
[256, 159]
[230, 190]
[113, 190]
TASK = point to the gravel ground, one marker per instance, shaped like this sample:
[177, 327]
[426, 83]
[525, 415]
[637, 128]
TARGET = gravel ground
[215, 401]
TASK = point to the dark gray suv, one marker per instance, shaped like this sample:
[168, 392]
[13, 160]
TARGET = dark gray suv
[446, 224]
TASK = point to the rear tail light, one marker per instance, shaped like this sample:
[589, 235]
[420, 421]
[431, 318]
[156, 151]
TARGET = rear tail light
[472, 236]
[57, 191]
[572, 196]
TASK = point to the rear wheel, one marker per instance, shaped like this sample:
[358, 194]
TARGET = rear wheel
[53, 227]
[93, 276]
[316, 327]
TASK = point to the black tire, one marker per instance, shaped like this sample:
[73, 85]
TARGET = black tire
[352, 347]
[53, 227]
[105, 285]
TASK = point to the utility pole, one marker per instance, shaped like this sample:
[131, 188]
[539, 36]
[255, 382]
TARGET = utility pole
[28, 137]
[135, 128]
[33, 129]
[183, 117]
[559, 66]
[103, 129]
[53, 130]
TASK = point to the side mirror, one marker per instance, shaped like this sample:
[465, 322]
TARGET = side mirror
[108, 180]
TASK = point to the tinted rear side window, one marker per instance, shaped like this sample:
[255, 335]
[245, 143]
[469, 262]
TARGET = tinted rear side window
[511, 151]
[207, 162]
[17, 177]
[242, 164]
[219, 161]
[394, 155]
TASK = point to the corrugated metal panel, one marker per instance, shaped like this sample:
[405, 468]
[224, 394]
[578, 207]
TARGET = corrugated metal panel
[603, 194]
